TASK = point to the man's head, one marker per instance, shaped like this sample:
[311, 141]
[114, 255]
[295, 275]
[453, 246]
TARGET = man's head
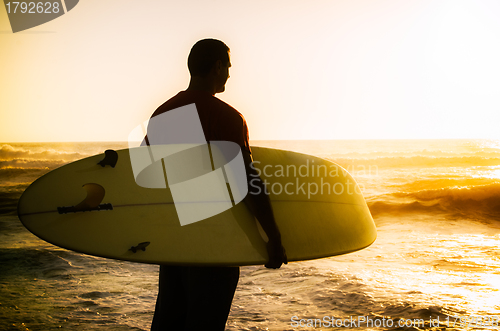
[209, 59]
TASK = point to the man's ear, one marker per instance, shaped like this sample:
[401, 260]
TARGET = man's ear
[218, 67]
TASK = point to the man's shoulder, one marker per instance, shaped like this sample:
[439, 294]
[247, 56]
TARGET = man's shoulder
[172, 103]
[225, 107]
[205, 102]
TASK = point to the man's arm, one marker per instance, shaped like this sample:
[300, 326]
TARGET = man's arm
[260, 205]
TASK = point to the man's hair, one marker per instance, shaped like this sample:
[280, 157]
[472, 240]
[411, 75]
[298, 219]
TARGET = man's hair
[204, 54]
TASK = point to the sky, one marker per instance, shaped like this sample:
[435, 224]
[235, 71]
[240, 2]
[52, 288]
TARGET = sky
[337, 69]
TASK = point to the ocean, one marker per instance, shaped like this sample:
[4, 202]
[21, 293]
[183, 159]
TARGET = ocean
[435, 264]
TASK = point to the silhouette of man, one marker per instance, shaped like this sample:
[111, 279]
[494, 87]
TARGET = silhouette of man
[199, 298]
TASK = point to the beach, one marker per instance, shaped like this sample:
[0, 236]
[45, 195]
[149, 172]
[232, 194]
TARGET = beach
[435, 264]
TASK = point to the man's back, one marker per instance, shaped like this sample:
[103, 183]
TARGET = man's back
[219, 120]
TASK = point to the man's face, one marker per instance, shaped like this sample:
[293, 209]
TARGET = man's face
[223, 76]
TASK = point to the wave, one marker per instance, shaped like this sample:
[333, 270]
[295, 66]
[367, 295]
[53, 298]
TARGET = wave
[42, 263]
[418, 161]
[381, 207]
[20, 175]
[8, 202]
[424, 152]
[9, 196]
[480, 201]
[30, 164]
[8, 152]
[440, 183]
[20, 164]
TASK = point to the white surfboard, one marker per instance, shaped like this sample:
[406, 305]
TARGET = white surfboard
[97, 208]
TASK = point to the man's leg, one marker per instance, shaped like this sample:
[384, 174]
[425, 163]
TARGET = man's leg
[210, 292]
[171, 304]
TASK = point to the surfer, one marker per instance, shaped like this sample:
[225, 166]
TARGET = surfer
[199, 298]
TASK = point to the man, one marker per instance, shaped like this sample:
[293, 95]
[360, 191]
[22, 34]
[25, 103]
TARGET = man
[199, 298]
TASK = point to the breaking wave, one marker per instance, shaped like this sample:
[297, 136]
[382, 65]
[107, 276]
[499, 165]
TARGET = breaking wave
[420, 161]
[8, 152]
[481, 201]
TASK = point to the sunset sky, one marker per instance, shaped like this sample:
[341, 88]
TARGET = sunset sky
[338, 69]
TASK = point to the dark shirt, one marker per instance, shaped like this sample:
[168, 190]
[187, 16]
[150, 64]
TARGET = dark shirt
[219, 120]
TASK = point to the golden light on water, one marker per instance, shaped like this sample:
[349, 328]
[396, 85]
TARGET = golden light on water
[492, 173]
[457, 271]
[475, 272]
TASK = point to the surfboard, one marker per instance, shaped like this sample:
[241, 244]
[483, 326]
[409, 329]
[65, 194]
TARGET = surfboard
[95, 206]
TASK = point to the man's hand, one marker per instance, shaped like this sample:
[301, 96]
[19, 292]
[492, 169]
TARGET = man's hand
[277, 255]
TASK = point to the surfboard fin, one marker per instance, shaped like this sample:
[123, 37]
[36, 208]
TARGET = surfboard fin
[141, 246]
[110, 158]
[95, 194]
